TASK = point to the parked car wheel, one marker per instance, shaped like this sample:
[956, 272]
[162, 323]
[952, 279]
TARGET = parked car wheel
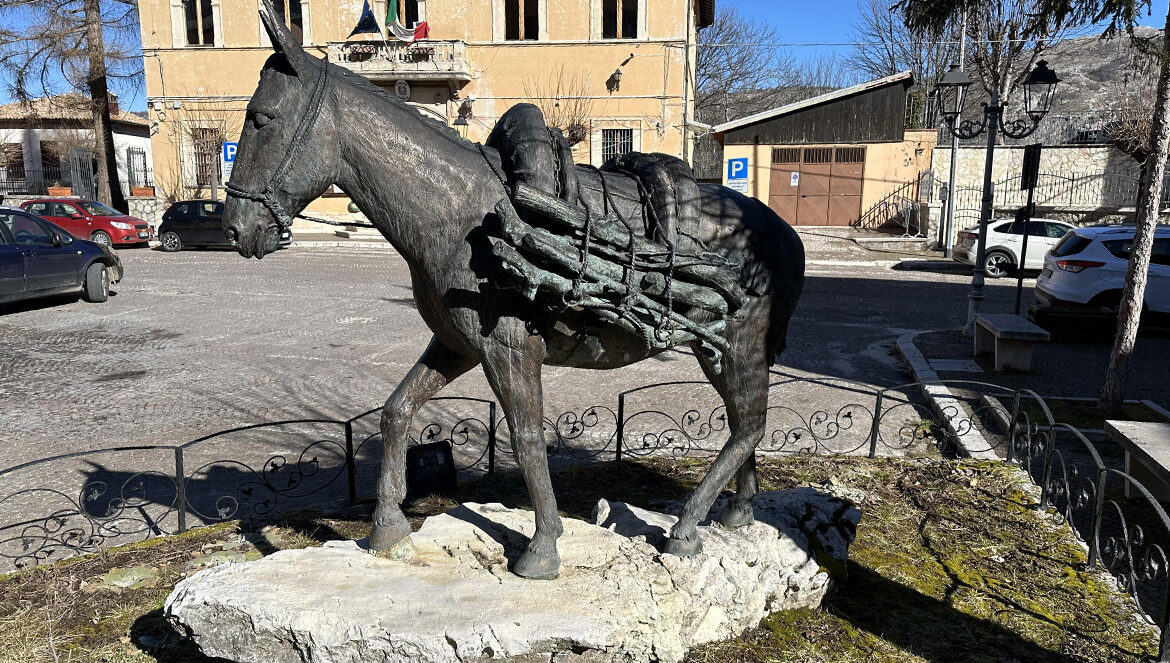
[97, 283]
[170, 241]
[101, 237]
[997, 264]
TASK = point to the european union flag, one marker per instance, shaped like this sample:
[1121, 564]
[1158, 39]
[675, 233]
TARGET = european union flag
[367, 23]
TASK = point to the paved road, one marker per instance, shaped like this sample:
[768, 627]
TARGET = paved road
[201, 341]
[198, 342]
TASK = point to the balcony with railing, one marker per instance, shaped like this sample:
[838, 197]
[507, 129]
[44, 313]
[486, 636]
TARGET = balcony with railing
[426, 60]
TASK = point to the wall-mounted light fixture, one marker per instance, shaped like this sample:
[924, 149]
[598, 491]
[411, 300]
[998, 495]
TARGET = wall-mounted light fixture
[614, 82]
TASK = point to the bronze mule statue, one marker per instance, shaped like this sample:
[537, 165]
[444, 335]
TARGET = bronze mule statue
[434, 197]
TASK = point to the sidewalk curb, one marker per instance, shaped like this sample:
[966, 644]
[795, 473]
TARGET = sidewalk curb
[942, 402]
[852, 263]
[928, 265]
[344, 244]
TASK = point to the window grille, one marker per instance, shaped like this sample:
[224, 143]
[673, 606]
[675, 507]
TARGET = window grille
[785, 155]
[818, 155]
[616, 142]
[200, 24]
[137, 170]
[850, 155]
[207, 143]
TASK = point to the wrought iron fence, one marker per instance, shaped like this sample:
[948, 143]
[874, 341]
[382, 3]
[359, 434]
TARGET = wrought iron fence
[1072, 192]
[255, 472]
[34, 182]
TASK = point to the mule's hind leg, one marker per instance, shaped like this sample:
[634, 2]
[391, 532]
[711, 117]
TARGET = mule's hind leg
[738, 511]
[514, 375]
[743, 385]
[437, 368]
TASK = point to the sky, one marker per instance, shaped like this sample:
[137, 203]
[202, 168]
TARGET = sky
[829, 21]
[808, 28]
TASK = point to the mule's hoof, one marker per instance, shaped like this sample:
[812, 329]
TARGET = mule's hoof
[737, 515]
[537, 566]
[684, 547]
[386, 536]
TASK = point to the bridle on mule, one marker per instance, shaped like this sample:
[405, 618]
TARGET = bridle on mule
[283, 220]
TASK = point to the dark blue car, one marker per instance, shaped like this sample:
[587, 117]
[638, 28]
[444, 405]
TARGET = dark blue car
[38, 258]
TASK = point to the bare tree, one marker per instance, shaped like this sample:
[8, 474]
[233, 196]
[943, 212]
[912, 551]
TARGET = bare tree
[566, 101]
[887, 46]
[1007, 37]
[739, 71]
[1120, 15]
[196, 133]
[47, 46]
[1131, 121]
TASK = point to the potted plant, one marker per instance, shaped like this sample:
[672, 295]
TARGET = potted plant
[58, 190]
[147, 191]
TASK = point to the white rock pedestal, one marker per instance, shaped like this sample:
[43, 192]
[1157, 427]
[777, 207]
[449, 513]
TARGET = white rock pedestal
[618, 598]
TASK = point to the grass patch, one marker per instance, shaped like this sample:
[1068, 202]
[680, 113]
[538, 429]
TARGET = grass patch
[950, 563]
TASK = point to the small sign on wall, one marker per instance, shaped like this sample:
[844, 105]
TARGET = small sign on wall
[795, 179]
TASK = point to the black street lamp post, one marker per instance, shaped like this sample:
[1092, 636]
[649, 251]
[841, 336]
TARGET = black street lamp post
[1039, 87]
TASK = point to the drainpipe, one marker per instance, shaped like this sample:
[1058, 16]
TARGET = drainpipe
[687, 80]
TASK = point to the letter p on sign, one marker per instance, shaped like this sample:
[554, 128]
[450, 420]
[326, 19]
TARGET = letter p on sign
[737, 169]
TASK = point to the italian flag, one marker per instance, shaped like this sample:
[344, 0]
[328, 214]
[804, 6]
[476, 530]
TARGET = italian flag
[396, 29]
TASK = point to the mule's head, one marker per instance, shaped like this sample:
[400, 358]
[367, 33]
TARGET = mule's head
[288, 153]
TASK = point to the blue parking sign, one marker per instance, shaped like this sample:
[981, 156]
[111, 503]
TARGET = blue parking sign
[229, 152]
[737, 169]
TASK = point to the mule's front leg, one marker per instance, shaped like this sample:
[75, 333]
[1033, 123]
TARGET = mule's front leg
[437, 367]
[514, 374]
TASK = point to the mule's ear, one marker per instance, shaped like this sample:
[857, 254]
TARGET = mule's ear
[282, 38]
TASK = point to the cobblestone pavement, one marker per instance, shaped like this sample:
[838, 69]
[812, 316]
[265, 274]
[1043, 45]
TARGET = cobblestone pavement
[195, 342]
[198, 342]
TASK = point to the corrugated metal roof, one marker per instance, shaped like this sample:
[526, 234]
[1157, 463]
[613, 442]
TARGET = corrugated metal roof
[71, 106]
[812, 101]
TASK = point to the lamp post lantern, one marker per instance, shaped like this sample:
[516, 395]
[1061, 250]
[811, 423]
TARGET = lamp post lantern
[1039, 87]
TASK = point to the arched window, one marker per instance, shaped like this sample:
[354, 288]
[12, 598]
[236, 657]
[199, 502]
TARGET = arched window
[619, 19]
[521, 19]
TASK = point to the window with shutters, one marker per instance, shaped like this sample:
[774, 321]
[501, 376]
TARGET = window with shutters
[619, 19]
[200, 22]
[521, 20]
[291, 14]
[616, 142]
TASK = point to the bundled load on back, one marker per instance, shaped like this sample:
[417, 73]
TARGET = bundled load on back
[613, 240]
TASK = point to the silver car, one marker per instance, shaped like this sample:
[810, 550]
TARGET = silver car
[1005, 244]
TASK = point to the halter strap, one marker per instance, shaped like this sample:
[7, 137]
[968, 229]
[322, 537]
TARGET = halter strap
[265, 195]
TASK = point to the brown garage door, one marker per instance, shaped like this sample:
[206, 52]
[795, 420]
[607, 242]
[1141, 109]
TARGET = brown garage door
[817, 186]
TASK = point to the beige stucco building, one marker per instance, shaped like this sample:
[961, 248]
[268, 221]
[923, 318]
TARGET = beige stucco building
[203, 60]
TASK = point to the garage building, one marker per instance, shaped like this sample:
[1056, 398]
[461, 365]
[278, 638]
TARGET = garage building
[836, 159]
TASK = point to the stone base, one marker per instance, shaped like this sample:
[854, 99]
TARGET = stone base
[618, 598]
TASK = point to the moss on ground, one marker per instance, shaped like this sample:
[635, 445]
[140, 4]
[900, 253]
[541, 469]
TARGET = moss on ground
[951, 562]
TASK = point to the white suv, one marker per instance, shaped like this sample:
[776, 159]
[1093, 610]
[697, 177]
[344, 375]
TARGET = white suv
[1085, 273]
[1005, 244]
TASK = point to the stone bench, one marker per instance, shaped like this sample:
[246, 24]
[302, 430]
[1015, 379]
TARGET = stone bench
[1147, 454]
[1010, 337]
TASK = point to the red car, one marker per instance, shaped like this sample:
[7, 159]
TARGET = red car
[92, 220]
